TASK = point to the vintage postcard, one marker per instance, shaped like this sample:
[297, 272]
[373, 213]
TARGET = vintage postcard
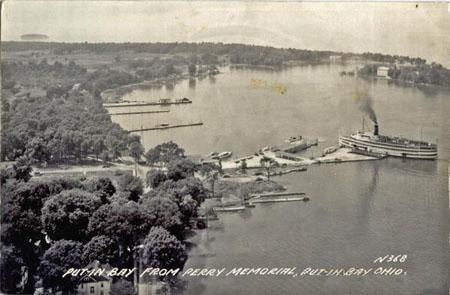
[212, 147]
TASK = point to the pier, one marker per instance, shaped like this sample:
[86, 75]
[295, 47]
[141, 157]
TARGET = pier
[137, 113]
[300, 169]
[266, 195]
[164, 127]
[292, 199]
[229, 209]
[139, 104]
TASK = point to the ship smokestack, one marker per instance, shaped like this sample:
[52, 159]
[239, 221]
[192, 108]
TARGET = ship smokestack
[375, 130]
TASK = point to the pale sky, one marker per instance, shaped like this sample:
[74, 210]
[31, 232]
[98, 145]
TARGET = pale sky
[392, 28]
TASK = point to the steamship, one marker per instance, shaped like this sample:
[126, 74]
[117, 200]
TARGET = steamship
[373, 142]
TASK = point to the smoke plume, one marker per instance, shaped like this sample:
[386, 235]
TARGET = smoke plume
[365, 105]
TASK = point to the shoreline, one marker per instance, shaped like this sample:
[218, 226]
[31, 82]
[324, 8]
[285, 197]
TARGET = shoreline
[115, 95]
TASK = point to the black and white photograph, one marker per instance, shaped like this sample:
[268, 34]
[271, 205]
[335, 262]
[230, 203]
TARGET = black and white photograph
[215, 147]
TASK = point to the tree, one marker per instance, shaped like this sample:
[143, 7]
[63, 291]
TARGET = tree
[22, 169]
[131, 184]
[163, 212]
[164, 153]
[187, 193]
[61, 256]
[188, 186]
[126, 224]
[98, 146]
[155, 177]
[37, 150]
[180, 169]
[136, 151]
[102, 249]
[163, 250]
[104, 156]
[11, 271]
[21, 210]
[66, 215]
[102, 187]
[268, 164]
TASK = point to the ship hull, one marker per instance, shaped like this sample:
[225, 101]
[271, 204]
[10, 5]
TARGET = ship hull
[428, 153]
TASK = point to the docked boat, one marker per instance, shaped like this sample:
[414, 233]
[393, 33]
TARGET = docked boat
[375, 143]
[222, 155]
[213, 154]
[294, 144]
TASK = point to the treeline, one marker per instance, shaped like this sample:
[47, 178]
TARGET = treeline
[434, 74]
[52, 224]
[40, 73]
[237, 53]
[386, 58]
[62, 76]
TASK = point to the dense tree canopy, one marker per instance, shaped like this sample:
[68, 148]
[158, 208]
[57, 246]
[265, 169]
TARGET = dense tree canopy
[102, 187]
[66, 215]
[124, 223]
[61, 256]
[163, 212]
[164, 153]
[11, 271]
[102, 249]
[163, 250]
[155, 177]
[131, 185]
[180, 168]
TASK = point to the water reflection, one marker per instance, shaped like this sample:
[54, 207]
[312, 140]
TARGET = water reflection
[192, 83]
[170, 86]
[212, 79]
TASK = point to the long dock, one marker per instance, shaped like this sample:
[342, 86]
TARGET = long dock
[166, 127]
[229, 209]
[137, 113]
[253, 201]
[257, 196]
[139, 104]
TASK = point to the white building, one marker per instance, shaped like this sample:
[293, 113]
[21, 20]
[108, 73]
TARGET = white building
[382, 72]
[94, 286]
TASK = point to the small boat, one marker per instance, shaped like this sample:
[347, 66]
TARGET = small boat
[293, 139]
[222, 155]
[183, 100]
[213, 154]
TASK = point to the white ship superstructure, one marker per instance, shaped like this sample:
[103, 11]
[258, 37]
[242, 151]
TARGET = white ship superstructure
[389, 146]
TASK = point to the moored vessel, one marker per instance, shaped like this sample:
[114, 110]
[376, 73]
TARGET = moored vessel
[389, 145]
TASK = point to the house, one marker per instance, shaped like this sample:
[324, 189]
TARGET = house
[95, 285]
[382, 72]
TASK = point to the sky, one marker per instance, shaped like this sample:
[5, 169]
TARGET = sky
[391, 28]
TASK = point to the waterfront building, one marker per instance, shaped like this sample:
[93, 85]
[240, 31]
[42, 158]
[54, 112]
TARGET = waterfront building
[382, 71]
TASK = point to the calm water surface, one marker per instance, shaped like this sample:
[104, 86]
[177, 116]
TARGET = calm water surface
[357, 212]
